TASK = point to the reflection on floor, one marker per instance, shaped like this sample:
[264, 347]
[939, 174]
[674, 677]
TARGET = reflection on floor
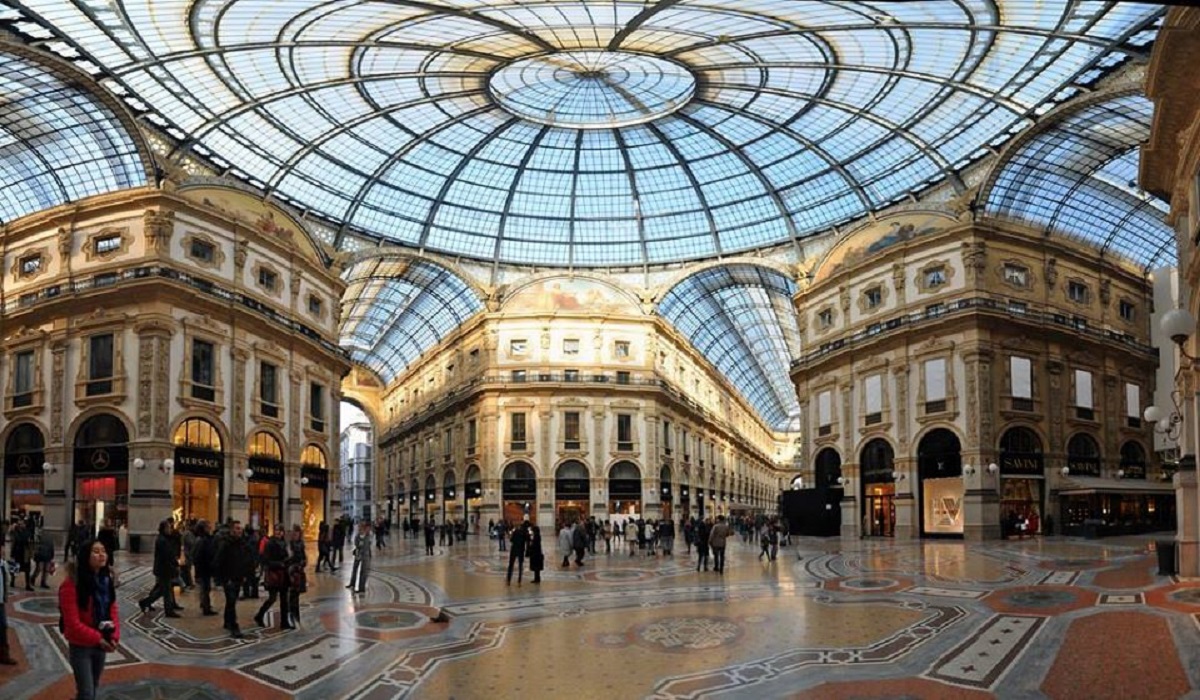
[1050, 618]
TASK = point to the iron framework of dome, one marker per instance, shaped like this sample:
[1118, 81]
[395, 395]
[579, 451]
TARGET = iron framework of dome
[582, 133]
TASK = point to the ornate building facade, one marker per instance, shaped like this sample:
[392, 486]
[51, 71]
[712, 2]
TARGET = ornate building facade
[958, 374]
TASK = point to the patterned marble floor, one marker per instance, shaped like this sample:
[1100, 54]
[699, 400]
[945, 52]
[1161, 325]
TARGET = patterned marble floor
[1045, 618]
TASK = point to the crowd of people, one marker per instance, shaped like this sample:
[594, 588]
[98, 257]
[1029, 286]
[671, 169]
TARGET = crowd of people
[243, 562]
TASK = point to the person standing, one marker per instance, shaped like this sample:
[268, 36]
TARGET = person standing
[324, 545]
[362, 556]
[429, 535]
[631, 536]
[537, 558]
[22, 553]
[6, 658]
[87, 598]
[166, 568]
[233, 563]
[203, 555]
[666, 536]
[579, 541]
[564, 544]
[107, 534]
[700, 539]
[716, 540]
[189, 543]
[43, 558]
[337, 541]
[607, 533]
[520, 543]
[255, 543]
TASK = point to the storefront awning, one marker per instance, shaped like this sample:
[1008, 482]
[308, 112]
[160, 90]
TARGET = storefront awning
[1085, 485]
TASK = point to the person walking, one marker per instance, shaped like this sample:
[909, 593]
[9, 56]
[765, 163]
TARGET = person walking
[274, 560]
[607, 533]
[666, 536]
[22, 553]
[430, 533]
[631, 536]
[362, 556]
[233, 563]
[324, 545]
[297, 581]
[203, 557]
[166, 568]
[716, 539]
[516, 555]
[254, 541]
[564, 544]
[43, 558]
[87, 598]
[537, 558]
[337, 541]
[189, 543]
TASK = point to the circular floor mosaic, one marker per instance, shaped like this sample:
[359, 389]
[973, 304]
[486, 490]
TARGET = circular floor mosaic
[388, 619]
[868, 584]
[1039, 599]
[683, 634]
[1187, 595]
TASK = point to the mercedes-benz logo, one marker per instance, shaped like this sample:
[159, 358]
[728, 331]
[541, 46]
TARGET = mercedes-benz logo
[100, 459]
[24, 464]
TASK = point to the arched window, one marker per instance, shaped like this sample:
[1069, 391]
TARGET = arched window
[265, 445]
[198, 434]
[877, 461]
[939, 455]
[519, 470]
[313, 456]
[625, 470]
[1020, 440]
[1083, 455]
[473, 474]
[571, 469]
[828, 467]
[1133, 460]
[23, 452]
[102, 430]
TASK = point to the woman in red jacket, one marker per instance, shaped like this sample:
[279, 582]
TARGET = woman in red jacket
[88, 601]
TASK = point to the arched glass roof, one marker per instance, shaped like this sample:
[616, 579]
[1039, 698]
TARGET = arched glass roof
[58, 142]
[740, 317]
[422, 122]
[396, 308]
[1078, 177]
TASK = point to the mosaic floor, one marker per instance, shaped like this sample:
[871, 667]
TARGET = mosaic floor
[1051, 618]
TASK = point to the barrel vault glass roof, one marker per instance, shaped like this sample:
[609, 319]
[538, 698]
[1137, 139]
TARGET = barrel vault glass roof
[471, 128]
[58, 142]
[1077, 177]
[740, 317]
[396, 308]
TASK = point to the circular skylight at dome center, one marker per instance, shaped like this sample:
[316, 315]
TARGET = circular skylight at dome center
[592, 89]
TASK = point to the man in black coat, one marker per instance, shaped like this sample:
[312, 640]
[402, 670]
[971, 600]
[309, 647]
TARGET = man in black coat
[166, 568]
[204, 555]
[520, 540]
[233, 564]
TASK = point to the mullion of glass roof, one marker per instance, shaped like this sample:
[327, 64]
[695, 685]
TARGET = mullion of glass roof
[887, 98]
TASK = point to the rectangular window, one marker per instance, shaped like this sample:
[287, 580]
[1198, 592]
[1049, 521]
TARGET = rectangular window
[683, 442]
[472, 435]
[623, 377]
[934, 310]
[518, 375]
[203, 250]
[873, 387]
[874, 297]
[106, 244]
[23, 379]
[1017, 307]
[100, 364]
[935, 277]
[447, 442]
[1017, 275]
[825, 408]
[1128, 310]
[316, 405]
[314, 305]
[1077, 292]
[825, 318]
[267, 279]
[1021, 369]
[571, 346]
[518, 346]
[571, 430]
[202, 371]
[570, 375]
[1133, 405]
[935, 385]
[268, 389]
[624, 432]
[1083, 394]
[621, 348]
[666, 438]
[517, 432]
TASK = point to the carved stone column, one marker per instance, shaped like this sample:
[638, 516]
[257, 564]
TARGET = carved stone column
[981, 506]
[159, 226]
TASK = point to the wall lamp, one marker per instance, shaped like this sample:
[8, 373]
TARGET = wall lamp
[993, 468]
[1120, 473]
[969, 470]
[167, 465]
[1065, 471]
[246, 474]
[304, 481]
[1178, 325]
[843, 481]
[49, 468]
[898, 475]
[139, 463]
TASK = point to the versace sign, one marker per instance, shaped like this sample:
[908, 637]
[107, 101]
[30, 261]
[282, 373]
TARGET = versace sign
[199, 462]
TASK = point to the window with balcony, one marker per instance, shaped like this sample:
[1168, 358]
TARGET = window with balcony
[316, 406]
[935, 385]
[1021, 378]
[624, 432]
[23, 379]
[666, 436]
[1084, 408]
[268, 389]
[1133, 405]
[825, 413]
[447, 442]
[203, 371]
[571, 440]
[100, 365]
[1017, 307]
[517, 441]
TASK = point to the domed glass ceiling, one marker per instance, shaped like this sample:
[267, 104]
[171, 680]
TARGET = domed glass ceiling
[601, 133]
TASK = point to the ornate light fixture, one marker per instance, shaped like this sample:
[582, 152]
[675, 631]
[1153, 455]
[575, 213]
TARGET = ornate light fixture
[969, 470]
[167, 465]
[1178, 325]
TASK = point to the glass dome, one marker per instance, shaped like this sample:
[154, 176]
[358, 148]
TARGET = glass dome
[588, 132]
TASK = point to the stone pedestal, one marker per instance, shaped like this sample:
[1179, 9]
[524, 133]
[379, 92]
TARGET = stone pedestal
[981, 515]
[851, 519]
[907, 521]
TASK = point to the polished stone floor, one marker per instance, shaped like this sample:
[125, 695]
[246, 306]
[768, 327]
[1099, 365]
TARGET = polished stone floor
[1052, 618]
